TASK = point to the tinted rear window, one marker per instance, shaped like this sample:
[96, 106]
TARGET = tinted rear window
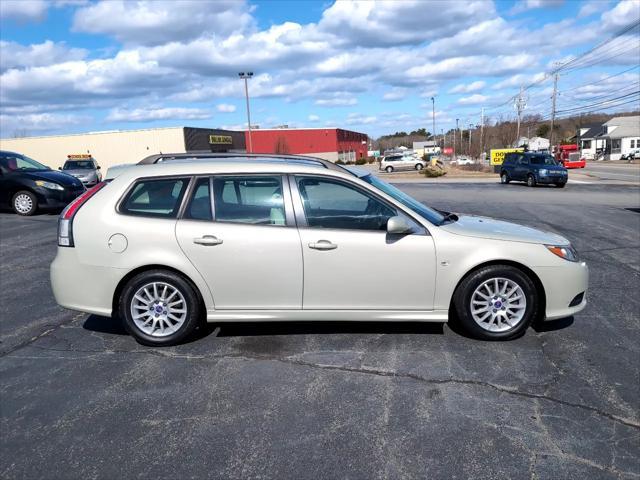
[155, 198]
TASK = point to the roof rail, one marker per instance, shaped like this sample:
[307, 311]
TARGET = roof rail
[300, 159]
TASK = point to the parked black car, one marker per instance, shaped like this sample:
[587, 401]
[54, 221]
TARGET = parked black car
[26, 185]
[533, 168]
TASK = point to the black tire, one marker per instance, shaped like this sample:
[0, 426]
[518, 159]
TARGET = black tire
[464, 292]
[192, 301]
[561, 185]
[389, 169]
[20, 201]
[504, 178]
[531, 180]
[419, 166]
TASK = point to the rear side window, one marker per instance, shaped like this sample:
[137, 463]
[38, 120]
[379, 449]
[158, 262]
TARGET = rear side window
[200, 203]
[255, 200]
[155, 198]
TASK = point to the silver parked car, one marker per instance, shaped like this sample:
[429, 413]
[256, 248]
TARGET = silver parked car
[86, 170]
[391, 163]
[165, 245]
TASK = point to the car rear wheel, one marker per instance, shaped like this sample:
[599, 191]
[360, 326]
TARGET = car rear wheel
[24, 203]
[531, 180]
[389, 169]
[504, 178]
[497, 302]
[419, 166]
[159, 308]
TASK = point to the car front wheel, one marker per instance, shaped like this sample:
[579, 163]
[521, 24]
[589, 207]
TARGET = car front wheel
[497, 302]
[24, 203]
[389, 169]
[419, 166]
[159, 308]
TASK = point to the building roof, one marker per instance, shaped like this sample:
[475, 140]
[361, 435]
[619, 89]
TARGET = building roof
[111, 132]
[593, 131]
[624, 127]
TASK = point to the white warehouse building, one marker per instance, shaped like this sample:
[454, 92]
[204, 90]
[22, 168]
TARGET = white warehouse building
[124, 146]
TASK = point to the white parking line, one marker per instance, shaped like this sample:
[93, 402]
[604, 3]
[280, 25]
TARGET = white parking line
[579, 181]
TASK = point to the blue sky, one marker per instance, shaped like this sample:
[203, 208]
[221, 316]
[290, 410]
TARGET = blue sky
[69, 66]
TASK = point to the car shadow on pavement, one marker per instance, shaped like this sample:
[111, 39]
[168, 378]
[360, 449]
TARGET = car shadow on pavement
[242, 329]
[112, 326]
[552, 325]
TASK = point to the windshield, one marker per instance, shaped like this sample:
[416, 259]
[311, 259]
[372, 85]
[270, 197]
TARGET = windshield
[542, 160]
[11, 162]
[78, 165]
[429, 214]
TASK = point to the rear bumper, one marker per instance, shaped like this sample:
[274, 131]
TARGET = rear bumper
[83, 287]
[562, 285]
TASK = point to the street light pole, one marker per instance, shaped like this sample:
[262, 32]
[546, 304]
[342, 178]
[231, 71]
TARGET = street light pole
[470, 125]
[246, 76]
[433, 117]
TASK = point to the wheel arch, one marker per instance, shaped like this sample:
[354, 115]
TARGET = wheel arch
[526, 270]
[124, 280]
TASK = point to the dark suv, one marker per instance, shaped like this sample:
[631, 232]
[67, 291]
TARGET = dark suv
[533, 168]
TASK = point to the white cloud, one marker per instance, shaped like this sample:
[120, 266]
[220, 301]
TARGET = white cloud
[14, 55]
[337, 99]
[23, 10]
[38, 123]
[359, 119]
[524, 5]
[394, 95]
[390, 22]
[590, 7]
[226, 108]
[150, 114]
[518, 80]
[468, 88]
[313, 118]
[474, 99]
[624, 13]
[152, 23]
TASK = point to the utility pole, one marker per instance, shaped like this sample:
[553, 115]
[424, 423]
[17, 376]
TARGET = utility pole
[482, 131]
[455, 141]
[520, 104]
[442, 136]
[247, 76]
[470, 125]
[433, 118]
[553, 109]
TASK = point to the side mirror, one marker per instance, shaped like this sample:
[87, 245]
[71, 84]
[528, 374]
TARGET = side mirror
[59, 168]
[398, 225]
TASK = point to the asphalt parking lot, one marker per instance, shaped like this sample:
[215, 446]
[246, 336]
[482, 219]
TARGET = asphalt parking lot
[80, 399]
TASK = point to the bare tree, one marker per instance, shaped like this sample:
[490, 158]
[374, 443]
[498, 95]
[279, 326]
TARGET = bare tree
[20, 133]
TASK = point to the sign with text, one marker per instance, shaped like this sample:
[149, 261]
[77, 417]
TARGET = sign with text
[498, 154]
[220, 140]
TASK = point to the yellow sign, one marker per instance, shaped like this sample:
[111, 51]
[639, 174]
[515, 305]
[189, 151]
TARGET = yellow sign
[497, 154]
[80, 156]
[220, 140]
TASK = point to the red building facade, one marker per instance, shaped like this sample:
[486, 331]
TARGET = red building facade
[330, 143]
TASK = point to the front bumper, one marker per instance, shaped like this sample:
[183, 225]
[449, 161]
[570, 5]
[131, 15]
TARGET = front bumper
[562, 284]
[551, 179]
[48, 198]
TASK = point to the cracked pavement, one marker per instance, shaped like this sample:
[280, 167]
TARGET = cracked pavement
[80, 399]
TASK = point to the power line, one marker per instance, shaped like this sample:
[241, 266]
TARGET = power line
[601, 80]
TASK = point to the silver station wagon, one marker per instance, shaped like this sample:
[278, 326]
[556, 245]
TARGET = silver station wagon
[167, 245]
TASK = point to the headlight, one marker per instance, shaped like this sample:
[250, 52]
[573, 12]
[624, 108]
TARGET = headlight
[49, 185]
[566, 251]
[543, 171]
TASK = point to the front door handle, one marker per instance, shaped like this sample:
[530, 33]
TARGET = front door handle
[207, 240]
[323, 245]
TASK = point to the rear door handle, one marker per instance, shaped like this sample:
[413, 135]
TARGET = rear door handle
[207, 240]
[323, 245]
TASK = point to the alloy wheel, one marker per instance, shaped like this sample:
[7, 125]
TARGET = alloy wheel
[498, 304]
[158, 309]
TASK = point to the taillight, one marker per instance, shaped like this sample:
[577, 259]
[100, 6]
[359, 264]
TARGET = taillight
[65, 222]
